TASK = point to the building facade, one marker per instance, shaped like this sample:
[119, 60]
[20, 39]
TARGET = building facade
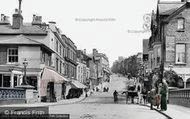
[170, 38]
[103, 70]
[83, 67]
[51, 58]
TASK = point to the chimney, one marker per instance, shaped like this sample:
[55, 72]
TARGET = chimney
[4, 20]
[84, 51]
[95, 51]
[17, 17]
[184, 0]
[37, 20]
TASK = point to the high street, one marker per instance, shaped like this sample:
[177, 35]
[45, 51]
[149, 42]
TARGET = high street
[100, 105]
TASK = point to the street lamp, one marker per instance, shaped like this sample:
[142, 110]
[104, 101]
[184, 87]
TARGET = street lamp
[25, 63]
[170, 67]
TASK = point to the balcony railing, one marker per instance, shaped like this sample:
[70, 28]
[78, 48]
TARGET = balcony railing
[180, 97]
[12, 93]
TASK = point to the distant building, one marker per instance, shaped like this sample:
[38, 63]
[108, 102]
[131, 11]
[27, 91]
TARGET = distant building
[83, 67]
[103, 69]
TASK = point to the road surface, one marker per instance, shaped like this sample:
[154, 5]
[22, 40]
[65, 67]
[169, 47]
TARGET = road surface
[100, 105]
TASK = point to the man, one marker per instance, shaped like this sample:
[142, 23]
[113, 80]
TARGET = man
[115, 94]
[139, 90]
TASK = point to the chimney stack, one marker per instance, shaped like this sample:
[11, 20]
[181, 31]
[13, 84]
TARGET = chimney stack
[95, 51]
[184, 0]
[17, 17]
[84, 51]
[4, 20]
[37, 20]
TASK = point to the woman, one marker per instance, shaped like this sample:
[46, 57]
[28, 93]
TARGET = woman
[163, 93]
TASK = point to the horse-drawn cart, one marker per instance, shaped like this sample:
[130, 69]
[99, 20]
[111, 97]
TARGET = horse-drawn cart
[130, 93]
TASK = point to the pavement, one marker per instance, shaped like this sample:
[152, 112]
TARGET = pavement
[176, 112]
[42, 104]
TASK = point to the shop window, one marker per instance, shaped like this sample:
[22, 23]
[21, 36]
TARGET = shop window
[180, 53]
[15, 81]
[12, 55]
[1, 80]
[6, 81]
[32, 80]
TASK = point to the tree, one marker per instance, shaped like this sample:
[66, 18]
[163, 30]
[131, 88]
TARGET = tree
[173, 79]
[129, 65]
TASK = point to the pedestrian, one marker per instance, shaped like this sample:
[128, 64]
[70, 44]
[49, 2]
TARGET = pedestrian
[144, 94]
[115, 95]
[139, 93]
[152, 98]
[163, 93]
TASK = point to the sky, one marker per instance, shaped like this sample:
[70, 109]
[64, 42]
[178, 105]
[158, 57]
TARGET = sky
[112, 27]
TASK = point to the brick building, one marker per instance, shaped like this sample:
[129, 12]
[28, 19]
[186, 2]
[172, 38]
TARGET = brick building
[170, 28]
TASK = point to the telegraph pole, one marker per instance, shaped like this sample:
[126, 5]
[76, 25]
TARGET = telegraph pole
[163, 51]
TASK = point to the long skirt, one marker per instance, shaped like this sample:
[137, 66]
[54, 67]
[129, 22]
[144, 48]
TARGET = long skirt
[163, 103]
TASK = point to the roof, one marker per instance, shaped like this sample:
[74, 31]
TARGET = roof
[167, 8]
[20, 39]
[26, 29]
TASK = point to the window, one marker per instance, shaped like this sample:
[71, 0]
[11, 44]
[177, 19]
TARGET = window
[180, 53]
[181, 24]
[56, 46]
[60, 49]
[43, 57]
[57, 63]
[6, 81]
[63, 52]
[158, 55]
[60, 71]
[12, 55]
[1, 80]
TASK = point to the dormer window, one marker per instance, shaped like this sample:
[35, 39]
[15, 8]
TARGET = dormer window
[181, 24]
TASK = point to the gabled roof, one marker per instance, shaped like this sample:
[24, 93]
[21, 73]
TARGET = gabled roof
[20, 39]
[167, 8]
[23, 40]
[25, 29]
[176, 12]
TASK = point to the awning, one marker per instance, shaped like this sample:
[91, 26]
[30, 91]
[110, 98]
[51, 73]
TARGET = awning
[77, 84]
[50, 75]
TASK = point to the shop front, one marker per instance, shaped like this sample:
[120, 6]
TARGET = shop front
[76, 90]
[52, 86]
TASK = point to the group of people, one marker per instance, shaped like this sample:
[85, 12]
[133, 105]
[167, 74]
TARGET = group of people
[156, 97]
[159, 96]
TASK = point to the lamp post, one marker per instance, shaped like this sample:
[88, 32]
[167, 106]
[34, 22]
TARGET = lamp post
[25, 63]
[170, 67]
